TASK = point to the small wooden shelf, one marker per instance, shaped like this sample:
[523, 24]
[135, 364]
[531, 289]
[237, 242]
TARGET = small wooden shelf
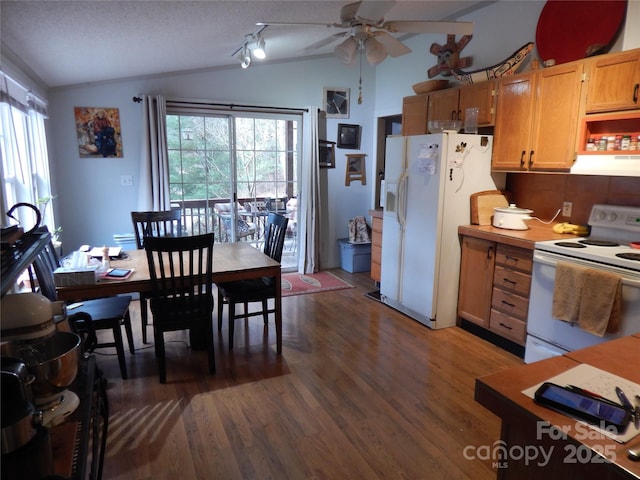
[613, 124]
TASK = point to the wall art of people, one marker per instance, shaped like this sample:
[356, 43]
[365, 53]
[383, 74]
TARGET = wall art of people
[99, 133]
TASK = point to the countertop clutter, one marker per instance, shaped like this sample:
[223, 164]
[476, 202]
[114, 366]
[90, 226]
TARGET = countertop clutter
[537, 232]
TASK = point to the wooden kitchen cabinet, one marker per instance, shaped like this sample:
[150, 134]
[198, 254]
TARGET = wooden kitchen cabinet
[613, 82]
[414, 114]
[450, 104]
[376, 248]
[537, 119]
[443, 105]
[510, 296]
[477, 262]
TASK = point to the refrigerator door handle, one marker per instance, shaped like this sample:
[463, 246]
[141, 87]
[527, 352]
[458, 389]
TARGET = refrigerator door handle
[401, 211]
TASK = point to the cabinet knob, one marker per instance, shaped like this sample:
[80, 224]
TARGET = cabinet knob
[635, 93]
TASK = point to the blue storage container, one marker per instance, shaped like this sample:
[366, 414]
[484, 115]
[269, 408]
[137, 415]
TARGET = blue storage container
[354, 257]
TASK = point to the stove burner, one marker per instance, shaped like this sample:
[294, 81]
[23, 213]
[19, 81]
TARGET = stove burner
[570, 245]
[599, 243]
[629, 256]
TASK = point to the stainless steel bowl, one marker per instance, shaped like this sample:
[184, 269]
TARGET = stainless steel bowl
[54, 362]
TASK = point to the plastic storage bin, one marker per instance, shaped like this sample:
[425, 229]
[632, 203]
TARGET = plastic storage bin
[354, 257]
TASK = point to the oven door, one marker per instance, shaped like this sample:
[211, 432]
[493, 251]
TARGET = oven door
[546, 335]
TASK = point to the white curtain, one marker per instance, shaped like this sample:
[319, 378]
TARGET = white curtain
[23, 148]
[309, 208]
[154, 166]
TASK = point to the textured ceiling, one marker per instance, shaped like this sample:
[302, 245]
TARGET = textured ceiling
[72, 42]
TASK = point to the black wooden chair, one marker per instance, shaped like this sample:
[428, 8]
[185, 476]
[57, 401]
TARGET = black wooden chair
[254, 290]
[166, 223]
[109, 313]
[182, 291]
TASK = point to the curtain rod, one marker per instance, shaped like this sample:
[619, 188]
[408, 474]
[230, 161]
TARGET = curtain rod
[230, 106]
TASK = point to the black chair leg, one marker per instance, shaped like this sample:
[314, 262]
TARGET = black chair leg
[144, 317]
[160, 354]
[265, 314]
[117, 336]
[232, 322]
[129, 331]
[220, 307]
[211, 350]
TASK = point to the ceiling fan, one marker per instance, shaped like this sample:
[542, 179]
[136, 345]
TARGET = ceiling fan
[364, 29]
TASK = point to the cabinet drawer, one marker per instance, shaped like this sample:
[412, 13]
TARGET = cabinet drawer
[376, 252]
[508, 327]
[511, 304]
[511, 280]
[514, 257]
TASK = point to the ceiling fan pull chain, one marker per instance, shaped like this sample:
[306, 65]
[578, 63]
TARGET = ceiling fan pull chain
[360, 83]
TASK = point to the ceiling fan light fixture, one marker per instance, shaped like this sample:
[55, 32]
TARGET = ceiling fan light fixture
[245, 57]
[346, 51]
[259, 51]
[375, 51]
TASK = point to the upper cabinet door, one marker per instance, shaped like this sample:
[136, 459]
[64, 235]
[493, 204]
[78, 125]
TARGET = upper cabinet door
[556, 117]
[443, 105]
[512, 143]
[480, 95]
[613, 82]
[414, 114]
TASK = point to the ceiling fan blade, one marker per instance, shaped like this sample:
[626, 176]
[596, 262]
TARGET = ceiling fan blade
[323, 42]
[348, 12]
[409, 26]
[296, 24]
[395, 47]
[373, 11]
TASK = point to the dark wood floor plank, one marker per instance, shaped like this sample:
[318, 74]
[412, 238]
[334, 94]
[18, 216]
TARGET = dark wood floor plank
[361, 391]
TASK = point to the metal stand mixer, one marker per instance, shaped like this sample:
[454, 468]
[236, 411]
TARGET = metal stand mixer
[38, 365]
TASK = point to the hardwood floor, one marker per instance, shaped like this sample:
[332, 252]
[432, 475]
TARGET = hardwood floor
[360, 392]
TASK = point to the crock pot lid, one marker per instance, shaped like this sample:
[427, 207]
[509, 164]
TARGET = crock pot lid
[513, 209]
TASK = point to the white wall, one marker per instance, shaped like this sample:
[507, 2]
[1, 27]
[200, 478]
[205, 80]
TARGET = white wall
[91, 204]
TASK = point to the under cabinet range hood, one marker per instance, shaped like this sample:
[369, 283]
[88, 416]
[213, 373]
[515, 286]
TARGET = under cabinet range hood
[615, 165]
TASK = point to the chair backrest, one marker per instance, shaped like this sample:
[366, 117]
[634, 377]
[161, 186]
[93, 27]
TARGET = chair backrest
[43, 265]
[274, 235]
[181, 268]
[156, 224]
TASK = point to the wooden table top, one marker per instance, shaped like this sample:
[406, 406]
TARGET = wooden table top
[231, 261]
[501, 392]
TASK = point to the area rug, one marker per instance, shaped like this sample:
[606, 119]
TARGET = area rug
[299, 283]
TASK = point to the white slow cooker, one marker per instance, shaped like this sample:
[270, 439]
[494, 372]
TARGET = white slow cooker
[511, 217]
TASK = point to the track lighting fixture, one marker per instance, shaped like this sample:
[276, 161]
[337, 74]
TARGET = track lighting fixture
[245, 56]
[244, 53]
[259, 51]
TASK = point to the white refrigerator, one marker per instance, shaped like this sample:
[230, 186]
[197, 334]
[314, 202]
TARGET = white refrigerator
[428, 183]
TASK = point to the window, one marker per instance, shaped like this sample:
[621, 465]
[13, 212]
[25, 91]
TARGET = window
[23, 145]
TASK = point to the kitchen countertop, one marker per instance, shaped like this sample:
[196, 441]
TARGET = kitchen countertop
[517, 238]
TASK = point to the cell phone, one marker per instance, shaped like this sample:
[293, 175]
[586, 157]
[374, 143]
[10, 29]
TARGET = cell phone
[118, 273]
[583, 405]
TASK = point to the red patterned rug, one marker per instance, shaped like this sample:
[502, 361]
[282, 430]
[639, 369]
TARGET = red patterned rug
[299, 284]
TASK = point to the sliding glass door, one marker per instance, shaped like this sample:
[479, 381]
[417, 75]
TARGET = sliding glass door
[227, 172]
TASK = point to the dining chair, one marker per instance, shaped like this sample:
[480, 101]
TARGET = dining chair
[157, 224]
[181, 298]
[254, 290]
[109, 313]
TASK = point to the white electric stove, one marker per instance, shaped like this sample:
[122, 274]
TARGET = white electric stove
[610, 246]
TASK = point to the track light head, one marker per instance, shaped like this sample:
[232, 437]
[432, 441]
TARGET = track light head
[244, 57]
[259, 51]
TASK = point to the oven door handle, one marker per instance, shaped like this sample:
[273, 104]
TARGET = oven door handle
[546, 260]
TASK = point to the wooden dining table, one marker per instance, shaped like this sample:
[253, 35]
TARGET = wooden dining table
[231, 261]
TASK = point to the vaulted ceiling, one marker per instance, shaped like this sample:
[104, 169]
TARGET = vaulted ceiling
[67, 42]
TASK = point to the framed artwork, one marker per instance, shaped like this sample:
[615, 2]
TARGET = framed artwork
[348, 136]
[336, 102]
[327, 154]
[99, 133]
